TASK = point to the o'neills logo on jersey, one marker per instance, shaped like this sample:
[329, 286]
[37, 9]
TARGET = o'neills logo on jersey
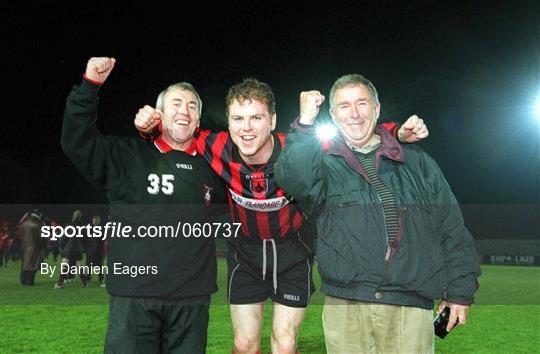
[258, 184]
[207, 196]
[259, 204]
[185, 166]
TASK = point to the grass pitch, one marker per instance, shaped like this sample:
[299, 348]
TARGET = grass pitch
[505, 318]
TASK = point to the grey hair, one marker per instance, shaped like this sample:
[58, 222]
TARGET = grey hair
[352, 80]
[182, 86]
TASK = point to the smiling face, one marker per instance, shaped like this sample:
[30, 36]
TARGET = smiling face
[355, 112]
[180, 117]
[250, 128]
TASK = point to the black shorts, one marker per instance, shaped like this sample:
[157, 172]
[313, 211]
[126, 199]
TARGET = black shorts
[288, 281]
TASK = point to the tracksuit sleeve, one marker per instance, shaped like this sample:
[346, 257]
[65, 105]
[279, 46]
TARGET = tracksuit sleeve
[300, 168]
[84, 145]
[460, 258]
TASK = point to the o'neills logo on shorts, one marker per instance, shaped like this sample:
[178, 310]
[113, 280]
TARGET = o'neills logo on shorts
[291, 297]
[259, 204]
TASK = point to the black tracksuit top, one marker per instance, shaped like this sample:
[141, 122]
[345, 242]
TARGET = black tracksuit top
[147, 184]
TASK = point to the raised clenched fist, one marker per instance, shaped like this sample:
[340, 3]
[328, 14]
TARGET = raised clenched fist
[413, 130]
[147, 119]
[98, 69]
[310, 104]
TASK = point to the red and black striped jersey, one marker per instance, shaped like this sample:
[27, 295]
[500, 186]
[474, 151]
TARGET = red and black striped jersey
[255, 200]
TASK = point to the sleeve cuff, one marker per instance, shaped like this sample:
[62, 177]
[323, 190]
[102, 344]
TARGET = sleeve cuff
[302, 128]
[93, 82]
[460, 301]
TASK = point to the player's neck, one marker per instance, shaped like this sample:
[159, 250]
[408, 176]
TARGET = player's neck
[178, 145]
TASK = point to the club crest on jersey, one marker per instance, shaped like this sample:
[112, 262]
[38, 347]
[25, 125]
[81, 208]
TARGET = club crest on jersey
[258, 184]
[207, 194]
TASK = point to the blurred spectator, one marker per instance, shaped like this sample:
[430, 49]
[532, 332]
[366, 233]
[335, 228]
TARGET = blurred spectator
[94, 247]
[71, 250]
[32, 246]
[6, 243]
[55, 244]
[15, 236]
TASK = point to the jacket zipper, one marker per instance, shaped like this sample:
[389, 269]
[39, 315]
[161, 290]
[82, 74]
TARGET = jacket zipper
[387, 255]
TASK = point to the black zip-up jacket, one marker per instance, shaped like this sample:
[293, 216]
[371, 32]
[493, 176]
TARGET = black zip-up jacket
[148, 185]
[433, 255]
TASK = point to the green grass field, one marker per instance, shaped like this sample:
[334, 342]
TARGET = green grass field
[505, 319]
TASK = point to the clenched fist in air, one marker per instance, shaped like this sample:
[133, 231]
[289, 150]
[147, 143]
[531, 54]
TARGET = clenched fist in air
[98, 69]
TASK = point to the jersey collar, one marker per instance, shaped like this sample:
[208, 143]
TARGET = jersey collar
[164, 148]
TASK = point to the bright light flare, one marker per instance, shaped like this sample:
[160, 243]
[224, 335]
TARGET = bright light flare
[537, 107]
[326, 131]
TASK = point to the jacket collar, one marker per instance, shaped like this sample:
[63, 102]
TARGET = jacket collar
[389, 148]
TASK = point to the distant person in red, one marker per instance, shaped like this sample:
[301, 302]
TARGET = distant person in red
[4, 244]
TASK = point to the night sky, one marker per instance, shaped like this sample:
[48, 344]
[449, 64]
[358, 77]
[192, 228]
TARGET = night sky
[470, 69]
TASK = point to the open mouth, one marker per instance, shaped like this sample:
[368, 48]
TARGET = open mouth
[181, 122]
[247, 138]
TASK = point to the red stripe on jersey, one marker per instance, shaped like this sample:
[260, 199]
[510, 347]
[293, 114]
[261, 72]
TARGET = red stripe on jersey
[282, 137]
[201, 141]
[216, 151]
[241, 215]
[298, 220]
[243, 218]
[284, 220]
[391, 127]
[236, 178]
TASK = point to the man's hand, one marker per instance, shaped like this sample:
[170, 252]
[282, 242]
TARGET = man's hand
[412, 130]
[310, 103]
[147, 119]
[98, 69]
[457, 312]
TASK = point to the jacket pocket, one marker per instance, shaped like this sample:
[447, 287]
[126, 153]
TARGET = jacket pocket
[342, 232]
[335, 260]
[418, 270]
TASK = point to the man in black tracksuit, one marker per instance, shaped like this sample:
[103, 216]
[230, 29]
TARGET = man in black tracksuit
[160, 286]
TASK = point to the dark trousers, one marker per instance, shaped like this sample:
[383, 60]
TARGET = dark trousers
[148, 326]
[28, 276]
[55, 253]
[95, 258]
[4, 257]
